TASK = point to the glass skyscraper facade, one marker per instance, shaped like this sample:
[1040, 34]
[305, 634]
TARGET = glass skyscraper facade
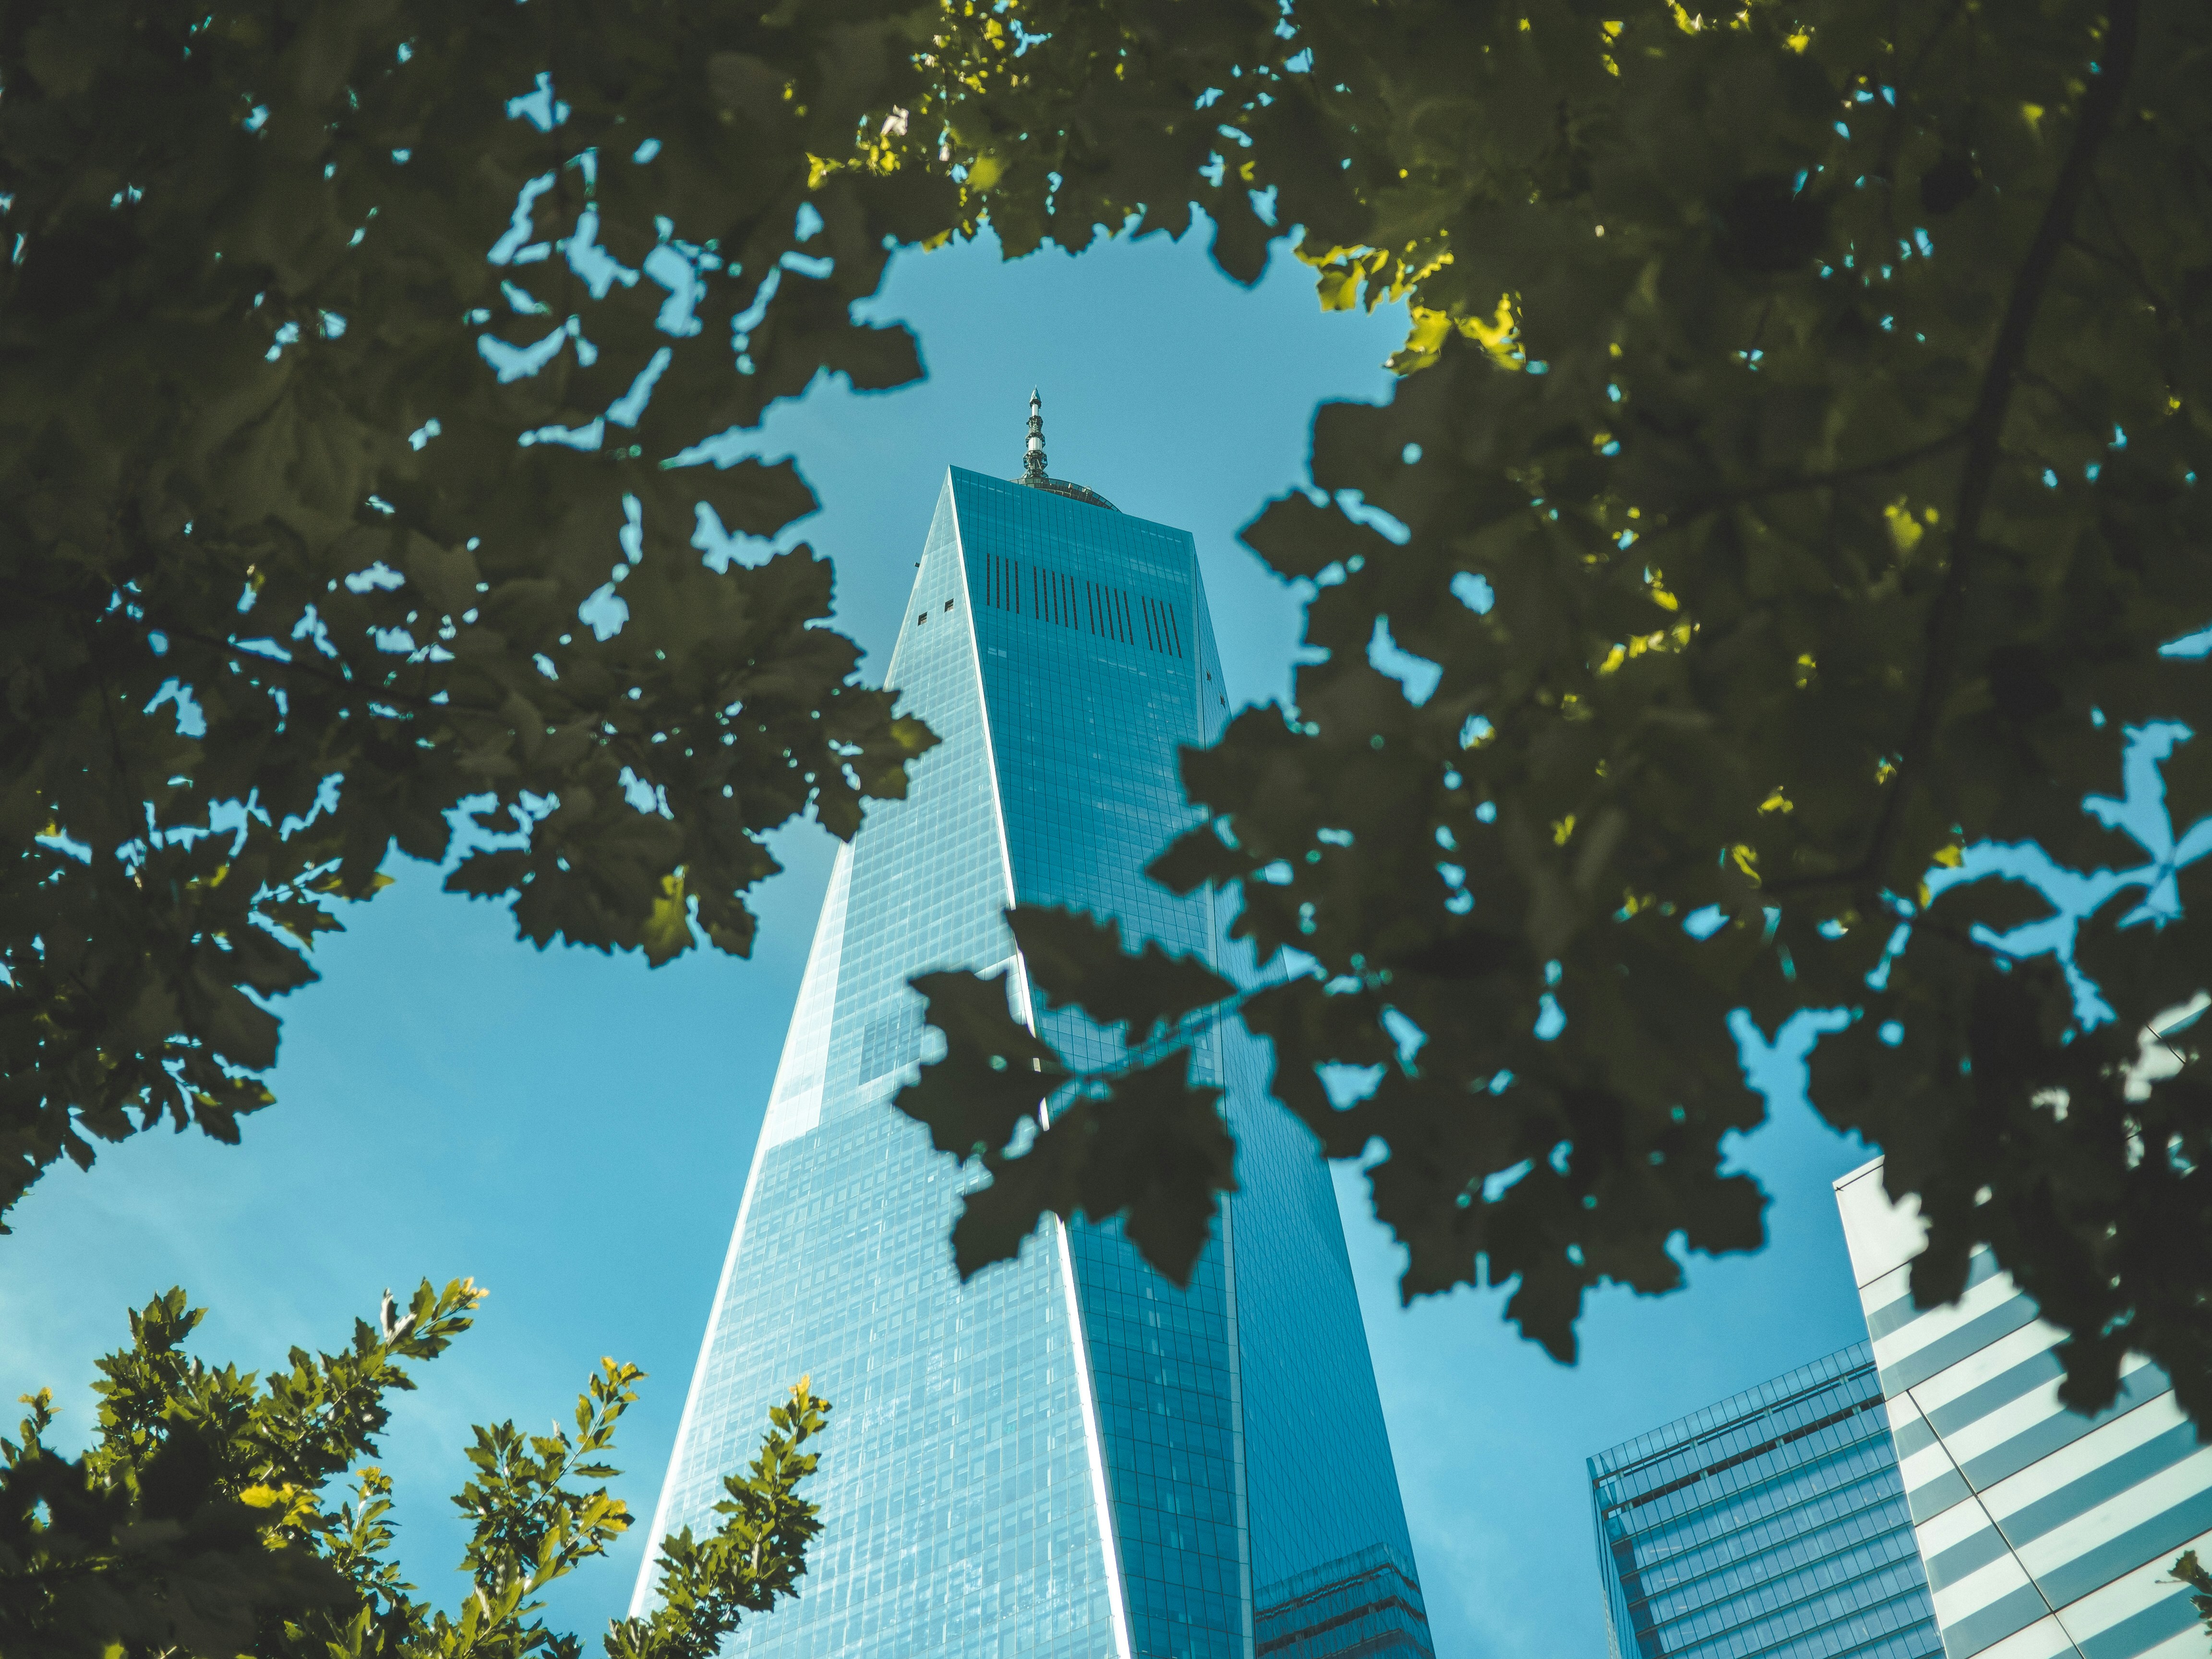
[1068, 1455]
[2046, 1532]
[1771, 1526]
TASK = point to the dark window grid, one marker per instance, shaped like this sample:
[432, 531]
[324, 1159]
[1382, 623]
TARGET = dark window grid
[1784, 1631]
[1821, 1375]
[1901, 1545]
[1764, 1438]
[1835, 1571]
[1716, 1549]
[1722, 1513]
[1857, 1423]
[1777, 1557]
[1878, 1505]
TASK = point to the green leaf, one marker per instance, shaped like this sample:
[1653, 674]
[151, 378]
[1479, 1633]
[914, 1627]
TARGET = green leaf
[994, 1074]
[667, 931]
[1079, 962]
[1149, 1148]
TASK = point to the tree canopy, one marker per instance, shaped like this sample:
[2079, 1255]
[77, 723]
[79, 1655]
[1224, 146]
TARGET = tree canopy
[1790, 497]
[295, 557]
[203, 1519]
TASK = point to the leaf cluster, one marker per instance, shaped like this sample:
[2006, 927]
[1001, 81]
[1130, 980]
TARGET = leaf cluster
[1792, 484]
[318, 525]
[1793, 481]
[202, 1521]
[2190, 1571]
[1138, 1139]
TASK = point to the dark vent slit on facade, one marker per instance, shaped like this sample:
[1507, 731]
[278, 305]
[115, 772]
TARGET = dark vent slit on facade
[1001, 582]
[1069, 602]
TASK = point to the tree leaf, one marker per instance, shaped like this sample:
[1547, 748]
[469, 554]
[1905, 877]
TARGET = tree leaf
[1081, 963]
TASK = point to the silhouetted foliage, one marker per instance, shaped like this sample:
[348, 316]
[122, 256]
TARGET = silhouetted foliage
[1792, 483]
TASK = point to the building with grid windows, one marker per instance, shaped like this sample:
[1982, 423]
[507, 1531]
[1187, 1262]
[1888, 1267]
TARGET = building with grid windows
[1067, 1457]
[2047, 1534]
[1771, 1526]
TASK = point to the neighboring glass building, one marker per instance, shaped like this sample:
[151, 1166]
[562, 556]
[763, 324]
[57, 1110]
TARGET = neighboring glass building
[1069, 1456]
[2046, 1532]
[1771, 1526]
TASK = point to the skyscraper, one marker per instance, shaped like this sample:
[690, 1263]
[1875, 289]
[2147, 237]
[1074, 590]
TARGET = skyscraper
[2046, 1532]
[1772, 1524]
[1067, 1456]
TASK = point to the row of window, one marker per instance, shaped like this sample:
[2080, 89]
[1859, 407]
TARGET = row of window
[1735, 1497]
[1054, 596]
[1730, 1416]
[1833, 1580]
[1818, 1632]
[1738, 1442]
[1773, 1546]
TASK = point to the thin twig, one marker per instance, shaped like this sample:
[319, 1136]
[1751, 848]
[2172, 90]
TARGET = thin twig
[1795, 482]
[2130, 261]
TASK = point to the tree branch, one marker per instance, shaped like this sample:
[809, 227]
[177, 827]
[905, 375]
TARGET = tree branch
[1984, 430]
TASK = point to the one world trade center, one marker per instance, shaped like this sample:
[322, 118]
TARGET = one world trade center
[1067, 1457]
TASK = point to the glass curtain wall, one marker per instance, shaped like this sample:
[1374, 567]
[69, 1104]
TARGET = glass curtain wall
[1772, 1524]
[1069, 1454]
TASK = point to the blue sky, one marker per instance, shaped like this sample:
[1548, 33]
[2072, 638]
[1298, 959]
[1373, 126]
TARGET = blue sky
[574, 1130]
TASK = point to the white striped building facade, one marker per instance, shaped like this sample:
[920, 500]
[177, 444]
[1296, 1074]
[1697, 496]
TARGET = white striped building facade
[2045, 1533]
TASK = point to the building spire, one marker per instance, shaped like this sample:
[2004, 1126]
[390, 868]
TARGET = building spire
[1033, 471]
[1033, 463]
